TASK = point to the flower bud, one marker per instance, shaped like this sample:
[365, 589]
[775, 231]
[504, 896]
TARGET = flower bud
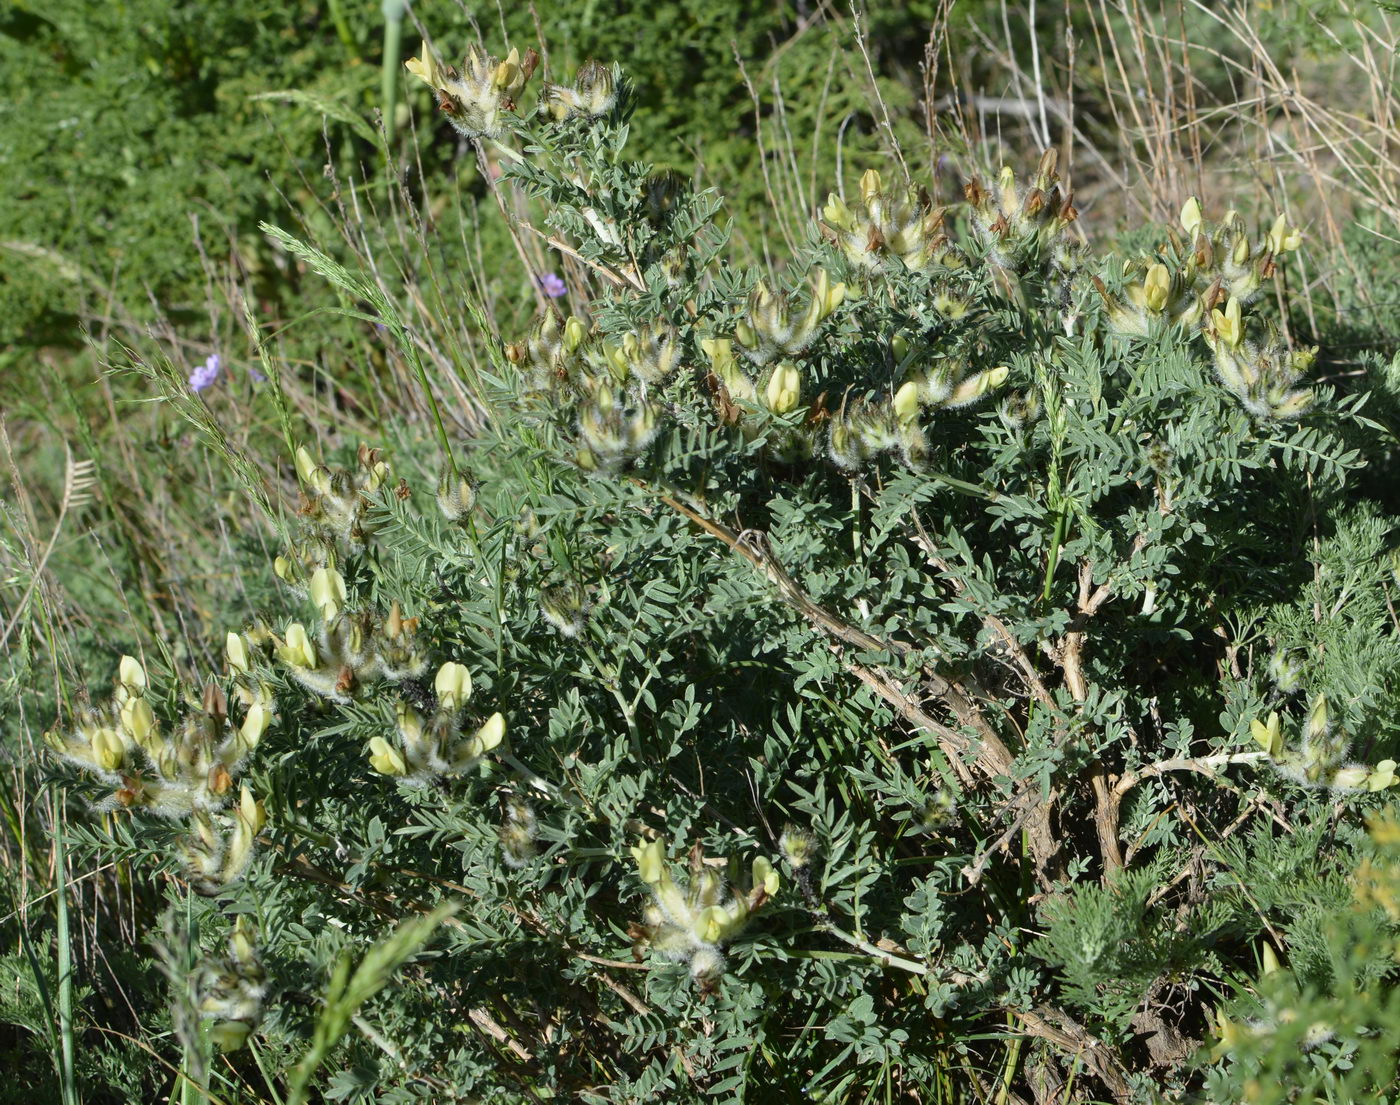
[328, 592]
[252, 812]
[1157, 287]
[1269, 736]
[137, 719]
[508, 73]
[1286, 670]
[385, 758]
[236, 652]
[410, 725]
[736, 381]
[1240, 254]
[108, 749]
[242, 943]
[490, 735]
[765, 876]
[453, 685]
[651, 862]
[1006, 185]
[255, 723]
[784, 388]
[575, 334]
[305, 465]
[906, 401]
[837, 214]
[131, 675]
[1283, 238]
[297, 650]
[1191, 216]
[1229, 327]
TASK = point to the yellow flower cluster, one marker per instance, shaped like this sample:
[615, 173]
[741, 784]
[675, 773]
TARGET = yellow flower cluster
[419, 751]
[691, 923]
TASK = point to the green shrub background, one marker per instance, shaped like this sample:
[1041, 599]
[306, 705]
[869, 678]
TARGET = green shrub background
[141, 147]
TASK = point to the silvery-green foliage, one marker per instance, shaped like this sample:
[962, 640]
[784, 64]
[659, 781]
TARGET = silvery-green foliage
[908, 578]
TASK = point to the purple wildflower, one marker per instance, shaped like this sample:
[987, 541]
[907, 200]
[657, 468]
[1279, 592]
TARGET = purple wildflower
[256, 376]
[552, 285]
[206, 373]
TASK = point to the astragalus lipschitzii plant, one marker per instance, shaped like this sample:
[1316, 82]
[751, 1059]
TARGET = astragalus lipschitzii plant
[976, 611]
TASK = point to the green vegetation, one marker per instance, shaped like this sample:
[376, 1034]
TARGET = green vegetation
[809, 558]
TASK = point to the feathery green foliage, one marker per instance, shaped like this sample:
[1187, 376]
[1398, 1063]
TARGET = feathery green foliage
[959, 665]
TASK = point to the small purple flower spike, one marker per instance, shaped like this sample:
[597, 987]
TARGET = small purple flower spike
[552, 285]
[206, 373]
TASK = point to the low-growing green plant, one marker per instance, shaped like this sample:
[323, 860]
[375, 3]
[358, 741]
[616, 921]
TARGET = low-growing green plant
[980, 614]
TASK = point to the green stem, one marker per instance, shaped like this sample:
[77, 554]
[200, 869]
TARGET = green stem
[609, 678]
[342, 27]
[65, 964]
[389, 72]
[262, 1069]
[1013, 1060]
[1052, 560]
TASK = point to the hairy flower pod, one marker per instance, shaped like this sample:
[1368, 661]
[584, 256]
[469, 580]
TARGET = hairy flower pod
[593, 93]
[517, 833]
[456, 495]
[797, 846]
[565, 608]
[231, 990]
[649, 355]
